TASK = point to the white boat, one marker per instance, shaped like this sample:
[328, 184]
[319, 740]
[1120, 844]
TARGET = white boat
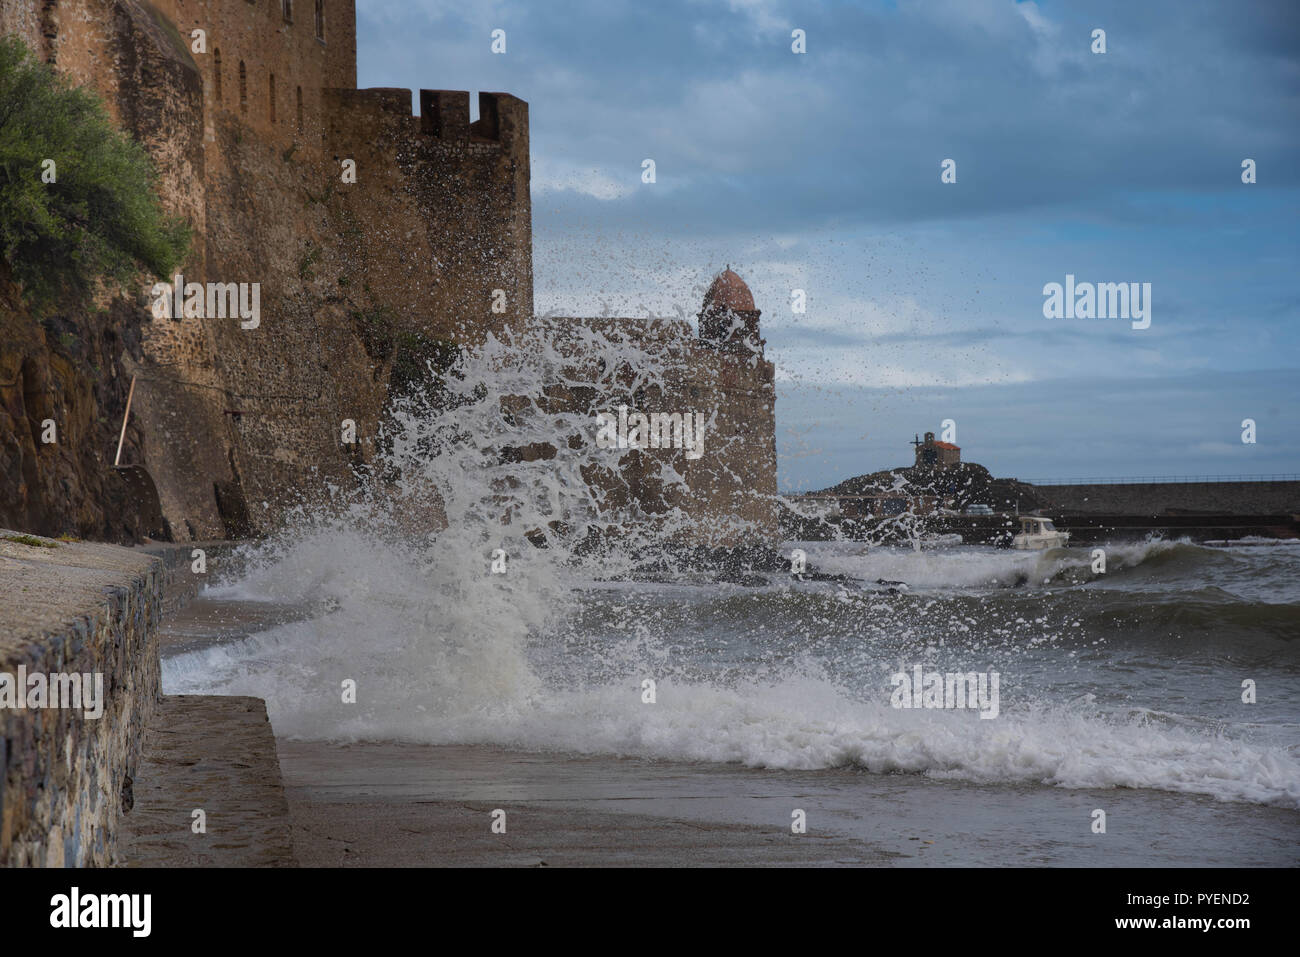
[1038, 532]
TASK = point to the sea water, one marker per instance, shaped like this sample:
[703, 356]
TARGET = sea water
[1176, 670]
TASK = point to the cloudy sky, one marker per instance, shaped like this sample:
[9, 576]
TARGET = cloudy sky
[821, 171]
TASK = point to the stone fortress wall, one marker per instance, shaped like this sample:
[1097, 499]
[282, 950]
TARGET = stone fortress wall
[729, 492]
[252, 137]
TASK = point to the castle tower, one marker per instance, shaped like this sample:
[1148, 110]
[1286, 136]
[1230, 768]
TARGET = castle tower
[728, 318]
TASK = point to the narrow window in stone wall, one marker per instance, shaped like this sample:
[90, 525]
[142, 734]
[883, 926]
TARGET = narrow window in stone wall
[320, 19]
[272, 106]
[50, 29]
[216, 74]
[243, 88]
[299, 109]
[287, 6]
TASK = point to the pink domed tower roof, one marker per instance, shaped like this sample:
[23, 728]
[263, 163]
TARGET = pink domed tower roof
[729, 292]
[727, 303]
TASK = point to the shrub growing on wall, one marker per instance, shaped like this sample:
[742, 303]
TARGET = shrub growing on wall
[100, 217]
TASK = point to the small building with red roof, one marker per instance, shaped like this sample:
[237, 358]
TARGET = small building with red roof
[932, 454]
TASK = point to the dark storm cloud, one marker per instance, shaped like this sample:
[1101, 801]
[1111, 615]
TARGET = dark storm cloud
[748, 135]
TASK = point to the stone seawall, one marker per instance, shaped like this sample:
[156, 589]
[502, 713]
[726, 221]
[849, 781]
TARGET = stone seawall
[1166, 498]
[181, 583]
[73, 608]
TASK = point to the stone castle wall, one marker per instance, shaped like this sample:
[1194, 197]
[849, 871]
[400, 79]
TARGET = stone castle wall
[444, 216]
[251, 137]
[729, 492]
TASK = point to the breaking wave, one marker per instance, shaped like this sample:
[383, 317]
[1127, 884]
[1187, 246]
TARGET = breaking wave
[553, 654]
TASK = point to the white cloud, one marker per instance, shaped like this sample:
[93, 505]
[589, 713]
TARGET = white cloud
[554, 176]
[863, 367]
[762, 16]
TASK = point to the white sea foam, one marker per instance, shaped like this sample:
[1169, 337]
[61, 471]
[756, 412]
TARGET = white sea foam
[450, 682]
[976, 566]
[443, 651]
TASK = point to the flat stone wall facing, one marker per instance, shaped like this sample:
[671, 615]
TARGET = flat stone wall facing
[74, 607]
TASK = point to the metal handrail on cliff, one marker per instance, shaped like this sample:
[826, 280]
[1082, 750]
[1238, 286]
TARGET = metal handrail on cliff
[117, 459]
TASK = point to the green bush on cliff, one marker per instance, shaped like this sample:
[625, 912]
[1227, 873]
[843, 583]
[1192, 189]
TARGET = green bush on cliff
[100, 218]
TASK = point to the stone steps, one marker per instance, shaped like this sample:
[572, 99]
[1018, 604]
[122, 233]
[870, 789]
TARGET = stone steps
[217, 754]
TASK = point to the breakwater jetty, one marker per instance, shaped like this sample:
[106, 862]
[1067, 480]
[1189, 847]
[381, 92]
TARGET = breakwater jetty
[1197, 508]
[1203, 495]
[1200, 508]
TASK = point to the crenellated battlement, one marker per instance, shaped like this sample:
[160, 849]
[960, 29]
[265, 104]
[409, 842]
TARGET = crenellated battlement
[444, 114]
[458, 189]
